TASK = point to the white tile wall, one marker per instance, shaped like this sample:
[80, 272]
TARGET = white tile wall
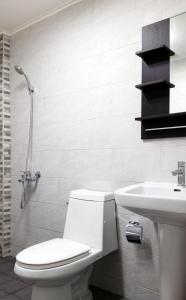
[83, 65]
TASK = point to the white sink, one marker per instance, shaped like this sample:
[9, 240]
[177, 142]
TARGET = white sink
[162, 202]
[166, 205]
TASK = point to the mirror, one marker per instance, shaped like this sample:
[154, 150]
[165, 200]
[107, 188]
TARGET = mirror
[178, 63]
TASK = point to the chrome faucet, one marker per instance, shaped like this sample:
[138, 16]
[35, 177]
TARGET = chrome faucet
[26, 176]
[180, 172]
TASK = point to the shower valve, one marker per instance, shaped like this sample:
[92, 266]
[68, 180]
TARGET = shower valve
[23, 177]
[37, 175]
[26, 176]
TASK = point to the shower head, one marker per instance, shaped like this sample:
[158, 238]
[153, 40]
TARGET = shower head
[19, 70]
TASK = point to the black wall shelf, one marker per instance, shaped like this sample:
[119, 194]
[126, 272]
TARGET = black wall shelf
[155, 54]
[155, 84]
[156, 121]
[162, 126]
[174, 116]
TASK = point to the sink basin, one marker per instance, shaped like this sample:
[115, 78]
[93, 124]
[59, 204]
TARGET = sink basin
[162, 202]
[165, 204]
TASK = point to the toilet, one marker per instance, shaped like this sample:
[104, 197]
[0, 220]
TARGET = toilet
[60, 268]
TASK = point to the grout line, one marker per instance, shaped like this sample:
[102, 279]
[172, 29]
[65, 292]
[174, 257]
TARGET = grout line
[123, 82]
[44, 202]
[36, 227]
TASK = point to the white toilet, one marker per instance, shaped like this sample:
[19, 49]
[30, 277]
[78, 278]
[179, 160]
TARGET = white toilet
[60, 268]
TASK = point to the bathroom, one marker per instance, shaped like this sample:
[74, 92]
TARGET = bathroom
[79, 58]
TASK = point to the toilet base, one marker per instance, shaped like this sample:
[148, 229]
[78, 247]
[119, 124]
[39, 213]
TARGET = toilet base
[52, 293]
[77, 289]
[57, 293]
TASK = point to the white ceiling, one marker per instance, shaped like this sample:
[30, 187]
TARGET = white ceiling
[17, 14]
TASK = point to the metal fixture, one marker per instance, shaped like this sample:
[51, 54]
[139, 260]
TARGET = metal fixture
[20, 71]
[26, 175]
[134, 232]
[180, 172]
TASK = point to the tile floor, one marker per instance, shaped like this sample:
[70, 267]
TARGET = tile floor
[13, 288]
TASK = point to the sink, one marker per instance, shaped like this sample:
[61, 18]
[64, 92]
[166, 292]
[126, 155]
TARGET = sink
[162, 202]
[165, 204]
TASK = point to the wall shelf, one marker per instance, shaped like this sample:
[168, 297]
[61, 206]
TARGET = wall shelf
[174, 117]
[155, 54]
[154, 84]
[163, 125]
[156, 121]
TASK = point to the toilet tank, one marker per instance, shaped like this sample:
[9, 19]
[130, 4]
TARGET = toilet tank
[91, 220]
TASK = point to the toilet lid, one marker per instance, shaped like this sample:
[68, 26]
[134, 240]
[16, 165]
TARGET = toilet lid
[53, 253]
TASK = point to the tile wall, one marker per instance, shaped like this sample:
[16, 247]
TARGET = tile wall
[82, 64]
[5, 140]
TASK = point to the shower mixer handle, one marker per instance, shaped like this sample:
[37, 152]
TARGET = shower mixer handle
[33, 178]
[38, 174]
[23, 177]
[26, 176]
[23, 173]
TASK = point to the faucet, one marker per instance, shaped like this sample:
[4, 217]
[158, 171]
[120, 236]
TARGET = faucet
[22, 178]
[180, 172]
[26, 176]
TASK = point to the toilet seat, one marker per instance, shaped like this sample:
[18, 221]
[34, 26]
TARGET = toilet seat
[51, 254]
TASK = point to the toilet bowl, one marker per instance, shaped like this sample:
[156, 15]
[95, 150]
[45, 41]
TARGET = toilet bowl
[60, 268]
